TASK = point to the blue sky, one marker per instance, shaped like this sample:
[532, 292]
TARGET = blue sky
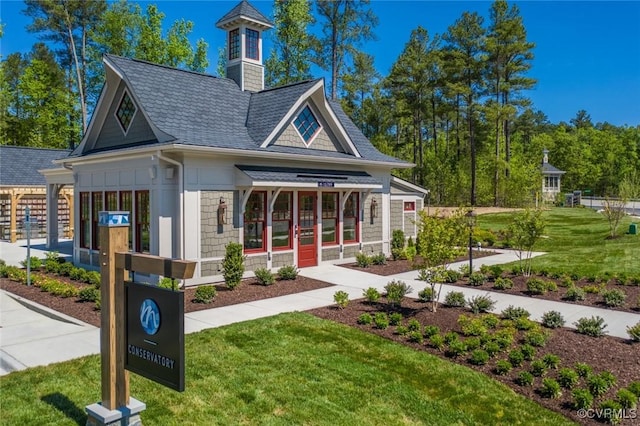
[587, 53]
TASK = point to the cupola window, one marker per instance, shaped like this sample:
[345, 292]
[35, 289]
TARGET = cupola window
[252, 38]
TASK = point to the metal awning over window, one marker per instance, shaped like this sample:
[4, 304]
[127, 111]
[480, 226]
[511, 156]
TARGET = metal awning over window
[269, 176]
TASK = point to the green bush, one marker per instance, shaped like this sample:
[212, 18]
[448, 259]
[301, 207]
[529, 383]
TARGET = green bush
[288, 273]
[455, 299]
[371, 295]
[512, 313]
[525, 324]
[168, 283]
[94, 278]
[416, 337]
[396, 291]
[65, 269]
[566, 281]
[551, 361]
[379, 259]
[538, 368]
[627, 399]
[479, 357]
[592, 289]
[264, 276]
[473, 343]
[552, 319]
[574, 294]
[437, 341]
[550, 388]
[455, 349]
[16, 274]
[431, 330]
[551, 286]
[537, 338]
[492, 348]
[58, 288]
[613, 298]
[599, 384]
[477, 279]
[89, 294]
[78, 274]
[451, 337]
[414, 325]
[205, 294]
[516, 357]
[395, 318]
[528, 351]
[490, 320]
[503, 283]
[363, 260]
[397, 243]
[481, 303]
[635, 388]
[582, 399]
[36, 263]
[567, 378]
[611, 411]
[381, 321]
[634, 332]
[425, 295]
[583, 370]
[365, 319]
[451, 276]
[341, 298]
[471, 326]
[464, 269]
[593, 326]
[52, 266]
[524, 378]
[536, 286]
[504, 338]
[502, 367]
[402, 330]
[233, 265]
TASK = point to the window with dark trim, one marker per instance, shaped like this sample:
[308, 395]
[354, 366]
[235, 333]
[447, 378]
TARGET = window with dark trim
[281, 222]
[329, 218]
[85, 220]
[125, 206]
[96, 208]
[307, 124]
[350, 219]
[234, 44]
[409, 206]
[254, 222]
[251, 44]
[126, 111]
[143, 217]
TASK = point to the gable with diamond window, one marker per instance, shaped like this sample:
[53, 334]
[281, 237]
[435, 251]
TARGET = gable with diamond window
[125, 112]
[307, 125]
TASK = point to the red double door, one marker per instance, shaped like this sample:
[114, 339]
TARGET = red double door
[307, 229]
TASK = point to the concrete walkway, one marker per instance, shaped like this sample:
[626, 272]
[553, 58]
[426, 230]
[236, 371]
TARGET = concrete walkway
[32, 335]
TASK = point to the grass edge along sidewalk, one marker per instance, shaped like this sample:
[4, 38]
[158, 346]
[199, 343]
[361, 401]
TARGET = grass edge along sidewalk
[288, 369]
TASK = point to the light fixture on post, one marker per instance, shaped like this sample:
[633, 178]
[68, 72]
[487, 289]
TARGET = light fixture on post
[471, 223]
[222, 212]
[374, 209]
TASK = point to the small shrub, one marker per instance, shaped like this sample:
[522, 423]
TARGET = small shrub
[379, 259]
[94, 278]
[431, 330]
[341, 298]
[525, 324]
[491, 321]
[205, 294]
[425, 295]
[481, 303]
[264, 276]
[524, 378]
[613, 298]
[414, 325]
[503, 283]
[583, 370]
[451, 337]
[634, 332]
[365, 319]
[567, 378]
[395, 291]
[381, 321]
[233, 265]
[363, 260]
[455, 299]
[371, 294]
[574, 294]
[16, 274]
[437, 341]
[593, 326]
[492, 348]
[396, 318]
[536, 338]
[416, 337]
[538, 368]
[550, 388]
[78, 274]
[610, 410]
[592, 289]
[288, 273]
[89, 294]
[402, 330]
[528, 351]
[551, 361]
[627, 399]
[502, 367]
[551, 286]
[36, 263]
[495, 271]
[599, 384]
[409, 252]
[536, 286]
[455, 349]
[52, 266]
[397, 243]
[635, 388]
[582, 399]
[477, 279]
[552, 319]
[516, 357]
[566, 281]
[504, 338]
[472, 343]
[511, 312]
[65, 269]
[479, 357]
[464, 270]
[451, 276]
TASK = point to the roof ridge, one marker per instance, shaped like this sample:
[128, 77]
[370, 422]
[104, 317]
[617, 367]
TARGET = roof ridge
[142, 61]
[297, 83]
[41, 148]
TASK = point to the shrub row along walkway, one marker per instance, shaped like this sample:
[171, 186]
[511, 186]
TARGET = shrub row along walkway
[38, 337]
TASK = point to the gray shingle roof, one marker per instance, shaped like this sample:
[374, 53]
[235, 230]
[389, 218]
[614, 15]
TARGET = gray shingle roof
[202, 110]
[300, 175]
[244, 9]
[19, 165]
[548, 168]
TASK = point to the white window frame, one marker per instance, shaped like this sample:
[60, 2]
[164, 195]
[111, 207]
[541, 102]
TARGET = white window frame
[317, 132]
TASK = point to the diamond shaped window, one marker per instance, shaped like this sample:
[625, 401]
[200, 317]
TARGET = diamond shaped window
[125, 112]
[307, 124]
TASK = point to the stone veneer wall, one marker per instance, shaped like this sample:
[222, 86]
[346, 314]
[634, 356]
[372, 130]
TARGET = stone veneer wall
[279, 259]
[372, 248]
[330, 253]
[251, 263]
[215, 237]
[372, 229]
[350, 251]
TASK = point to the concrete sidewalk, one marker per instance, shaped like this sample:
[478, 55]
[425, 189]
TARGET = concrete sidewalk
[32, 335]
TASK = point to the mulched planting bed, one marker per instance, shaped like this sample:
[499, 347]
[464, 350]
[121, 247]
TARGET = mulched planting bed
[248, 290]
[618, 356]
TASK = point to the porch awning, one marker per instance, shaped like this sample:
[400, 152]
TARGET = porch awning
[304, 178]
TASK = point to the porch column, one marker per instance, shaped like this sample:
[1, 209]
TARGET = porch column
[53, 191]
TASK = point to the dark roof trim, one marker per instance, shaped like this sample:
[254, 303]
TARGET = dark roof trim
[303, 177]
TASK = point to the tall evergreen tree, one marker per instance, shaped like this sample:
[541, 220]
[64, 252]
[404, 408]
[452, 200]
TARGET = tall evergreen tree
[345, 25]
[290, 58]
[358, 84]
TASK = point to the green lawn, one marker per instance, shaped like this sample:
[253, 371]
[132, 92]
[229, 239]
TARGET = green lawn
[576, 241]
[288, 369]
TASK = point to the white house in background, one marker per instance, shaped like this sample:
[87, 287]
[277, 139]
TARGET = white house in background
[202, 161]
[551, 178]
